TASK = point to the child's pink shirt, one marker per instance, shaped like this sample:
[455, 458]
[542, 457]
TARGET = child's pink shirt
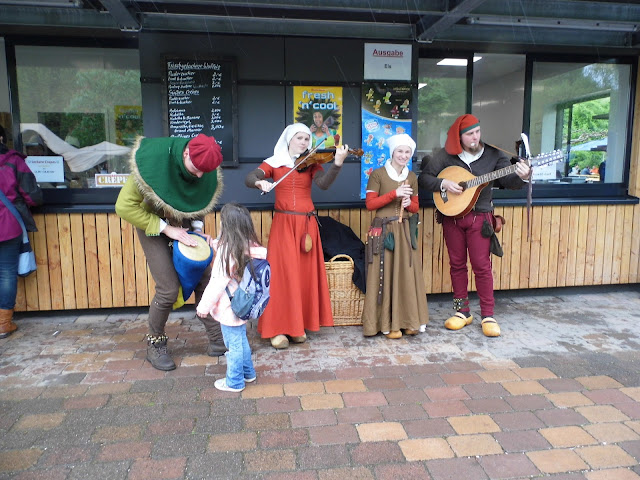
[215, 300]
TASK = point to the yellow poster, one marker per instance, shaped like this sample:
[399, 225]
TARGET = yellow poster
[320, 108]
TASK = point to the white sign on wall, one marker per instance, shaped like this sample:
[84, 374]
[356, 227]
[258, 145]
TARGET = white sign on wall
[387, 61]
[46, 169]
[546, 172]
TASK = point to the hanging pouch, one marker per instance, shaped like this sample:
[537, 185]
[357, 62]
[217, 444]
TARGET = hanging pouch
[495, 247]
[390, 242]
[414, 220]
[487, 229]
[306, 243]
[494, 244]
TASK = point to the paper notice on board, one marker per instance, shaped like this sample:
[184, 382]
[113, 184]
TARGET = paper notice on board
[47, 168]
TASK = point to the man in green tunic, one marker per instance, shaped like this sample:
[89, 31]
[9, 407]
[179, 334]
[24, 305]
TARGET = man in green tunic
[174, 183]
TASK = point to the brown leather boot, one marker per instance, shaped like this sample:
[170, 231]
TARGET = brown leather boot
[7, 327]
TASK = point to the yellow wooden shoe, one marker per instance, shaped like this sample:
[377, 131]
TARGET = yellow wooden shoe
[410, 331]
[279, 342]
[301, 339]
[394, 334]
[457, 321]
[490, 327]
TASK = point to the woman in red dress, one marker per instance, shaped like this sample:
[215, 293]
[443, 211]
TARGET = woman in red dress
[299, 291]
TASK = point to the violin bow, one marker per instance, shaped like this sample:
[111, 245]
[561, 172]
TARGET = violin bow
[311, 152]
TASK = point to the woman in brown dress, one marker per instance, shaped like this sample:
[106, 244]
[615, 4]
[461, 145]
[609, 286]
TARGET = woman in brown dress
[396, 300]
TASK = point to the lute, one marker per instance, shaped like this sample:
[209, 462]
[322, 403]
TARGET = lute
[453, 205]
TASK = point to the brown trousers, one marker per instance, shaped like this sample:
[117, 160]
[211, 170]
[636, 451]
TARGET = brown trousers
[160, 259]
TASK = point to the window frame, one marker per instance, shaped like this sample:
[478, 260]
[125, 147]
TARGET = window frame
[592, 193]
[62, 199]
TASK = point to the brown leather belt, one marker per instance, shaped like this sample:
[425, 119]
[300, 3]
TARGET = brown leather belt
[313, 213]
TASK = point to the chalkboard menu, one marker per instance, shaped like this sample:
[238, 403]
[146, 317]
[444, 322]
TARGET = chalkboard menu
[201, 98]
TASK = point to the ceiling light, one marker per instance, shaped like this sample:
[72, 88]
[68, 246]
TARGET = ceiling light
[456, 62]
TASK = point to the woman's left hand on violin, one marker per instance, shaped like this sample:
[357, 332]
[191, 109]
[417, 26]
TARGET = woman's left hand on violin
[341, 153]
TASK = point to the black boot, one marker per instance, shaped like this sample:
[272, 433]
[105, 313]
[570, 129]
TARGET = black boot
[157, 353]
[216, 342]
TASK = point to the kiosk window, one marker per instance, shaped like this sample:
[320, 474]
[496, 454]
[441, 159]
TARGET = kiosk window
[582, 109]
[80, 111]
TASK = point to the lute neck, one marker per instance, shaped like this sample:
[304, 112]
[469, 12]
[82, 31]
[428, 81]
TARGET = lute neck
[488, 177]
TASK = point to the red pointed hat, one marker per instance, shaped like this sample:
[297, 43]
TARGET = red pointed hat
[205, 153]
[463, 123]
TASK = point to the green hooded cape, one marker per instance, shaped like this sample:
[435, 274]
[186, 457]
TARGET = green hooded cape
[158, 169]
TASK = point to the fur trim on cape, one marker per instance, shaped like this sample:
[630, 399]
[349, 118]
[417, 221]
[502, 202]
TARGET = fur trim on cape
[160, 205]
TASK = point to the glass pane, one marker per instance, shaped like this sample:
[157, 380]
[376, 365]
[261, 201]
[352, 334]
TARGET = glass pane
[442, 94]
[82, 108]
[5, 104]
[498, 97]
[581, 108]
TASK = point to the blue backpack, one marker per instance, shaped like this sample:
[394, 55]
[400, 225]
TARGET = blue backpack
[252, 296]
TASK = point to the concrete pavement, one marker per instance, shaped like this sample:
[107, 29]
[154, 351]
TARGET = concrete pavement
[557, 396]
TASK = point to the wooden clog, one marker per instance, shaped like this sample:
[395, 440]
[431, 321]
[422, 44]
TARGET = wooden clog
[279, 342]
[457, 321]
[490, 327]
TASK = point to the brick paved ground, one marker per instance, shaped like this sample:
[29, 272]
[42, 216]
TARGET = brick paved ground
[558, 396]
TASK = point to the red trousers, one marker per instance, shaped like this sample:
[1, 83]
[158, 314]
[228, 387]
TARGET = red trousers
[463, 235]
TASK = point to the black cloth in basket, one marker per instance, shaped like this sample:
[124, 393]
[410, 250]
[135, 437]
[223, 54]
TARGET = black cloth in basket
[337, 238]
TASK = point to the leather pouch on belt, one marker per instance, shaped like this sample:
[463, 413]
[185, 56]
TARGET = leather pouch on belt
[306, 243]
[414, 220]
[390, 242]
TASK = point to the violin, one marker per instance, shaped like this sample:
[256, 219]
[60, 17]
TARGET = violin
[312, 157]
[321, 156]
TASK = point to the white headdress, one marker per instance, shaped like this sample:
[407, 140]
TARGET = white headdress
[281, 157]
[401, 139]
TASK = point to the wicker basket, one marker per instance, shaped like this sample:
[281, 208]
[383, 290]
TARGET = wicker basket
[347, 301]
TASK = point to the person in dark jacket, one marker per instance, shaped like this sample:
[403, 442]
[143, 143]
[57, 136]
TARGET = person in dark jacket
[19, 186]
[463, 148]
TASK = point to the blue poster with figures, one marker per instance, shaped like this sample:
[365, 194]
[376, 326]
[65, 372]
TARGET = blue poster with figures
[386, 111]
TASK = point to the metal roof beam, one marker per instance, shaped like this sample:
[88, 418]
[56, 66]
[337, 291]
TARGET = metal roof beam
[426, 31]
[54, 17]
[564, 9]
[374, 6]
[546, 22]
[123, 17]
[276, 26]
[536, 36]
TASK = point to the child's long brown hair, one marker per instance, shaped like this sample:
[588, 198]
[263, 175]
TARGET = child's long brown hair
[237, 235]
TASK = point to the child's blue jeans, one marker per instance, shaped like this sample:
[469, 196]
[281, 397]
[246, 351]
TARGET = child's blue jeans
[239, 363]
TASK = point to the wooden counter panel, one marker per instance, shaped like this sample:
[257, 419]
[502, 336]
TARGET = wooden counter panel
[94, 260]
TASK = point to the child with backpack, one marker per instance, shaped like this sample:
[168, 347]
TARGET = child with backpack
[236, 245]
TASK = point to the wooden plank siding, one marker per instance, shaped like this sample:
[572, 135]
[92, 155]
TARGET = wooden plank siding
[94, 260]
